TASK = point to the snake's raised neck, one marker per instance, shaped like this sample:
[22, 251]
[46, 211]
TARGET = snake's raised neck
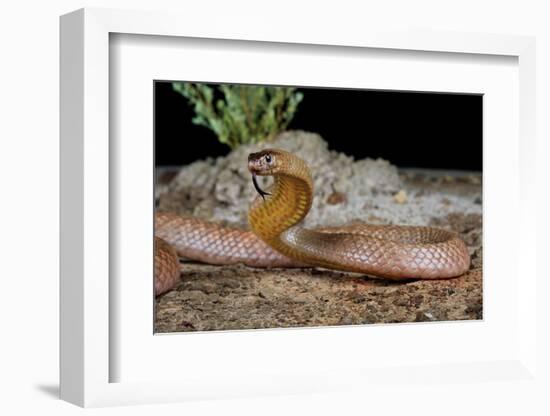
[290, 199]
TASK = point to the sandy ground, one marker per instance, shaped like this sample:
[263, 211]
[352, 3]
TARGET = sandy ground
[218, 298]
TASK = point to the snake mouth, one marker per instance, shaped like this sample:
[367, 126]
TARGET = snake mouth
[257, 187]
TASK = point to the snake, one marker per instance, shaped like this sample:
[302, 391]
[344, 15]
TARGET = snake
[277, 239]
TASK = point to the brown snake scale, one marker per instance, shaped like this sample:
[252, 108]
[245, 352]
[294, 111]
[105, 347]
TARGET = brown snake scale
[276, 239]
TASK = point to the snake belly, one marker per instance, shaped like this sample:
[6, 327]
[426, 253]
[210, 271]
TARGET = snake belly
[277, 240]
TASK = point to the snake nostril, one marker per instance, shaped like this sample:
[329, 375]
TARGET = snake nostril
[252, 162]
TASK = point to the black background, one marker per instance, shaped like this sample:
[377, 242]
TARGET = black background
[424, 130]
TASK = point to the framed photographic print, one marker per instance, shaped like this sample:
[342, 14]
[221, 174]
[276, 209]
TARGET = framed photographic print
[277, 213]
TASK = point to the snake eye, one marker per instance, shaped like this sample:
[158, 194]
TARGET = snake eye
[268, 158]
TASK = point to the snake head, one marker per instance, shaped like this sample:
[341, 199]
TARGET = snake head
[263, 163]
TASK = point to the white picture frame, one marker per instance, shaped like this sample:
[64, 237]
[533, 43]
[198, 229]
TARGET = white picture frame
[87, 356]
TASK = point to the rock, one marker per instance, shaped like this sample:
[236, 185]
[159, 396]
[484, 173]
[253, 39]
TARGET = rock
[475, 179]
[336, 198]
[400, 197]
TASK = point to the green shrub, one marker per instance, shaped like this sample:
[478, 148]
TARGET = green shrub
[240, 114]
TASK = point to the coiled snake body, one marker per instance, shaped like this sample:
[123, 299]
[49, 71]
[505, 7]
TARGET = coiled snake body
[276, 239]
